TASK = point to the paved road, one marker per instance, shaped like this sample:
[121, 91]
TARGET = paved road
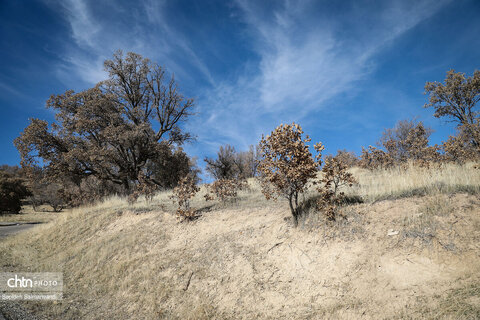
[9, 228]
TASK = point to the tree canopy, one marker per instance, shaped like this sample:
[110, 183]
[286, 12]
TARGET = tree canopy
[408, 140]
[12, 192]
[113, 131]
[457, 98]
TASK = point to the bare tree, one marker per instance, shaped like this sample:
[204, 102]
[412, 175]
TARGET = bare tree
[231, 164]
[252, 156]
[225, 165]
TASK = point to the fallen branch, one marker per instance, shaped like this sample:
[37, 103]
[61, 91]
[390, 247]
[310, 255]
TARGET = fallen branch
[275, 245]
[188, 282]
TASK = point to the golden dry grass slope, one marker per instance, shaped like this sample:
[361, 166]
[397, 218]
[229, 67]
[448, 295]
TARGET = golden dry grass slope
[412, 250]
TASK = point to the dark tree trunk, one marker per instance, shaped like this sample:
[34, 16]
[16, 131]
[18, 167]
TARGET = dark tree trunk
[126, 185]
[294, 209]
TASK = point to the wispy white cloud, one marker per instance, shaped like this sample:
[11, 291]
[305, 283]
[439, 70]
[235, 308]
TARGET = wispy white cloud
[313, 64]
[155, 11]
[8, 89]
[84, 27]
[97, 33]
[83, 59]
[307, 58]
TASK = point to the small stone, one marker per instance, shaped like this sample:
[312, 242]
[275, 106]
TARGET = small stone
[392, 232]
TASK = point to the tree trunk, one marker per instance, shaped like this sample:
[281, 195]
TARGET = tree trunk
[293, 210]
[126, 185]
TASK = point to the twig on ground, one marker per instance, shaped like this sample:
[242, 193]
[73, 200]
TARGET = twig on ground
[188, 282]
[275, 245]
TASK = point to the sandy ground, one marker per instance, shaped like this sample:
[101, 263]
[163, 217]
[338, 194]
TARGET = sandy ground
[256, 265]
[390, 259]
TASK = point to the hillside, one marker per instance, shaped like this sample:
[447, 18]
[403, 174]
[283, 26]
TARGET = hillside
[410, 250]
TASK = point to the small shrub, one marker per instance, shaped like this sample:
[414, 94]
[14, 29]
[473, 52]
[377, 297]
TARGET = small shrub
[347, 157]
[374, 158]
[147, 187]
[183, 192]
[133, 197]
[406, 142]
[335, 176]
[287, 165]
[225, 189]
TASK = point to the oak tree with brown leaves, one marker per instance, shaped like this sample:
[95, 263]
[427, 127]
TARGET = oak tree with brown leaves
[112, 131]
[457, 98]
[459, 148]
[287, 164]
[374, 158]
[407, 141]
[348, 158]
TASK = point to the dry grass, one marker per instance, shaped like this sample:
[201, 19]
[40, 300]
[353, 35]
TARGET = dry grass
[244, 260]
[462, 302]
[29, 215]
[415, 181]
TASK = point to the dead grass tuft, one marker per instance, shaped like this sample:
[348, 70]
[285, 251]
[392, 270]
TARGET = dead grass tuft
[398, 182]
[461, 303]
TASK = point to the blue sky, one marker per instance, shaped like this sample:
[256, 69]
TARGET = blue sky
[344, 70]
